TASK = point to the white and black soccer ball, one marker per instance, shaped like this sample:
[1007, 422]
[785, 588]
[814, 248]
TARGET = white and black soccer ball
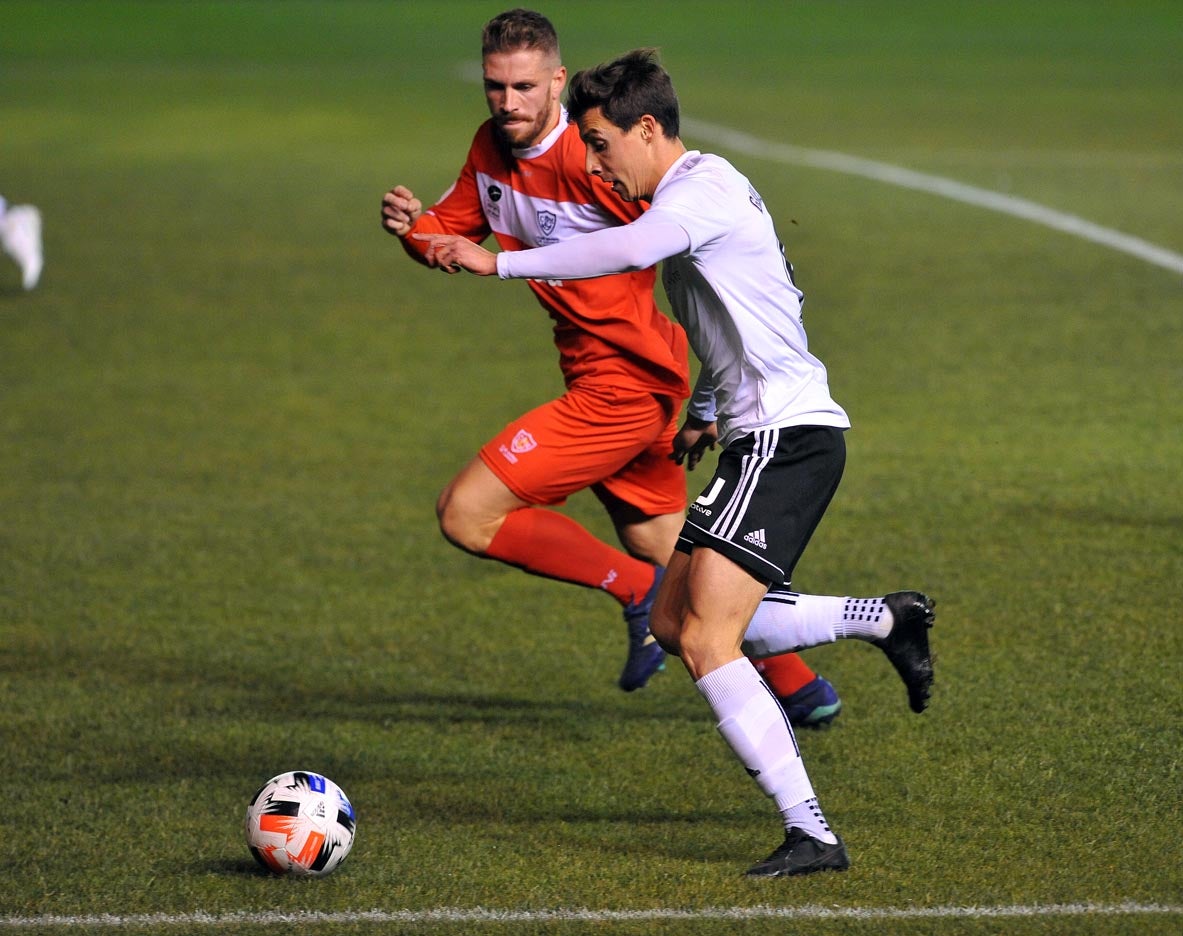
[300, 823]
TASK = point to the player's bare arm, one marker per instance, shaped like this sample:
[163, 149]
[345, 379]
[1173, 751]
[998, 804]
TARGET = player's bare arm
[693, 440]
[454, 253]
[400, 210]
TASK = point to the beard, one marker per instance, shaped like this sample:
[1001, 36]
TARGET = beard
[522, 134]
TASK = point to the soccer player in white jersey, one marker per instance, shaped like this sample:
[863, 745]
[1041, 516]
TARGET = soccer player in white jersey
[764, 396]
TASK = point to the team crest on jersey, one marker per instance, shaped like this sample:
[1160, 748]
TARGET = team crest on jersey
[546, 222]
[755, 199]
[522, 442]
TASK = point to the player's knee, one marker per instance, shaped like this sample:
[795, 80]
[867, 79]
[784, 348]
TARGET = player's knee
[652, 538]
[456, 525]
[464, 527]
[463, 535]
[641, 544]
[700, 646]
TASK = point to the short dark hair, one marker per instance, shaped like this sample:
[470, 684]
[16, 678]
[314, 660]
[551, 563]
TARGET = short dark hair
[519, 29]
[626, 89]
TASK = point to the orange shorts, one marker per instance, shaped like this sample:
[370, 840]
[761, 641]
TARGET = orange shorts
[616, 439]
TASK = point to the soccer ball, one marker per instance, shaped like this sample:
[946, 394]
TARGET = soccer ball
[300, 823]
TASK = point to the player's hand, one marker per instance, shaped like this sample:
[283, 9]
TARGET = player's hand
[400, 210]
[693, 440]
[453, 253]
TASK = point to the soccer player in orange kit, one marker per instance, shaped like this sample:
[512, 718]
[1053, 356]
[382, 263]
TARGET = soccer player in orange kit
[625, 365]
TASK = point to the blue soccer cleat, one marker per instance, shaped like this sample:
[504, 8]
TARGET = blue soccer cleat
[645, 656]
[814, 705]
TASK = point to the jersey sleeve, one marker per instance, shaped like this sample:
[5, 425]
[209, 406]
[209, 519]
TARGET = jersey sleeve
[635, 246]
[702, 401]
[701, 205]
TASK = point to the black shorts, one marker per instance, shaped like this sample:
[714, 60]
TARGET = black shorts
[767, 497]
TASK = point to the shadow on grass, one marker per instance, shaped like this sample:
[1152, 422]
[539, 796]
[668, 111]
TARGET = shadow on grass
[235, 867]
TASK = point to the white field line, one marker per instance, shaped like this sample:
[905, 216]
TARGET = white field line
[936, 185]
[477, 915]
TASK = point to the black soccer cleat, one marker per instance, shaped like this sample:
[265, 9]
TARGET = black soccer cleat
[801, 853]
[907, 644]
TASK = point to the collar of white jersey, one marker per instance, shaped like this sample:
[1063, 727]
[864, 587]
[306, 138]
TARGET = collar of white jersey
[679, 165]
[531, 152]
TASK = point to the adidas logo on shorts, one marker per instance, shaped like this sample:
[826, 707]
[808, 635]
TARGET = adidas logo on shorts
[756, 538]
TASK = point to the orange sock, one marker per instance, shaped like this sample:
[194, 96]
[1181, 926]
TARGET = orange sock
[550, 544]
[785, 673]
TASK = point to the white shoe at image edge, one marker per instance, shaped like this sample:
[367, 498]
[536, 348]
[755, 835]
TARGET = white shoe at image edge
[20, 236]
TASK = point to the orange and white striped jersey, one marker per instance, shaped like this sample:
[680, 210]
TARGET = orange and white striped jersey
[608, 330]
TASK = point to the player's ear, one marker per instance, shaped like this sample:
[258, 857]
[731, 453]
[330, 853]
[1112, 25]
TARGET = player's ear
[560, 80]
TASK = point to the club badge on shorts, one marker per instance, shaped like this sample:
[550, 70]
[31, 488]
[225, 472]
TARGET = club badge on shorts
[521, 443]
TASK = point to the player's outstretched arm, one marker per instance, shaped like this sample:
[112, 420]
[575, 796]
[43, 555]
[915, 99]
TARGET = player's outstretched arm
[400, 211]
[454, 253]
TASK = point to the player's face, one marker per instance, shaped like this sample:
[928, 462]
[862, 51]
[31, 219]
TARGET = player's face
[522, 88]
[619, 157]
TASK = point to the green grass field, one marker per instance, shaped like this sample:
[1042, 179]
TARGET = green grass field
[226, 412]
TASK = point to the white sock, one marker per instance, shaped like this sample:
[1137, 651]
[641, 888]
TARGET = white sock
[808, 816]
[752, 722]
[787, 621]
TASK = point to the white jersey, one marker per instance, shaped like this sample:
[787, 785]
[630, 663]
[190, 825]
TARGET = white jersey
[729, 285]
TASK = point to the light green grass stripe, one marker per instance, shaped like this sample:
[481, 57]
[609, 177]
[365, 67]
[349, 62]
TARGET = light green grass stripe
[482, 915]
[936, 185]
